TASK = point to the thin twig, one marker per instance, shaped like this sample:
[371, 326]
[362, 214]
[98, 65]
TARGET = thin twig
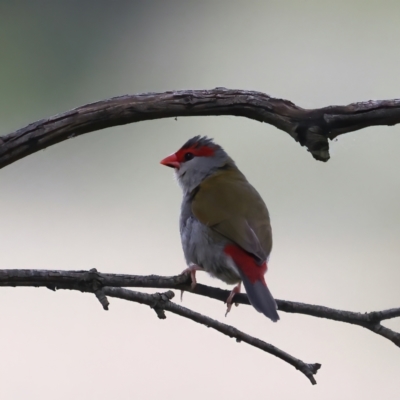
[161, 301]
[311, 128]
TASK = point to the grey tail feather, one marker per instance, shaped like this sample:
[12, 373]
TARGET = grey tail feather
[261, 298]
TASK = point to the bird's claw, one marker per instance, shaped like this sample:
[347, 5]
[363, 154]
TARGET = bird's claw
[229, 302]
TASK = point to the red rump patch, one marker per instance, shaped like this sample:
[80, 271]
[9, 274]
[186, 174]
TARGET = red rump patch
[246, 263]
[203, 151]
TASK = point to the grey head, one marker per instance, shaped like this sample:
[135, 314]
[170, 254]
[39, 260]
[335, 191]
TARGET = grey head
[197, 159]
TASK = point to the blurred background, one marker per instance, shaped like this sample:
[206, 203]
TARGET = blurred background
[103, 201]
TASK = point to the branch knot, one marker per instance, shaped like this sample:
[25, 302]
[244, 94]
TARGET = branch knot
[159, 302]
[92, 280]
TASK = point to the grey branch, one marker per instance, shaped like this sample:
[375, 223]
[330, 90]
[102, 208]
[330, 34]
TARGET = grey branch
[103, 285]
[310, 127]
[93, 281]
[161, 302]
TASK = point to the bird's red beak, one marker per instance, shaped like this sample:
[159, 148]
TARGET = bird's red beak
[171, 161]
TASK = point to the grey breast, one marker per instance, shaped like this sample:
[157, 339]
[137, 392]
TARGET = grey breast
[203, 246]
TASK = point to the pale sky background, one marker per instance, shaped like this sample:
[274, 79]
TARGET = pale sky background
[103, 201]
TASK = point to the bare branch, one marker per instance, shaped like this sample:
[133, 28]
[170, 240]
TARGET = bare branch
[310, 127]
[161, 302]
[93, 280]
[86, 279]
[370, 320]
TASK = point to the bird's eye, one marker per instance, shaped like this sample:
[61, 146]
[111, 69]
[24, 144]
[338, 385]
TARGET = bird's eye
[188, 156]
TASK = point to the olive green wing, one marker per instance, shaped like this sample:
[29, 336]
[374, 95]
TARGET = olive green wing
[228, 204]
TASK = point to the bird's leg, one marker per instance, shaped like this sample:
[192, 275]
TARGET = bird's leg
[192, 271]
[229, 303]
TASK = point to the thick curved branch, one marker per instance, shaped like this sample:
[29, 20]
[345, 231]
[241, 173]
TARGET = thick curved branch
[94, 281]
[310, 127]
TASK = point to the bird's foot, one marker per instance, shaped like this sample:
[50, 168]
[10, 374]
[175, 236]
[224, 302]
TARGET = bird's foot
[229, 303]
[192, 271]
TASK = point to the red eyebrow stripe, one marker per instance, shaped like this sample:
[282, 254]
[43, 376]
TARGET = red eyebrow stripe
[203, 151]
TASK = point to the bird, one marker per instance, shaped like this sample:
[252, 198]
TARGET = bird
[224, 223]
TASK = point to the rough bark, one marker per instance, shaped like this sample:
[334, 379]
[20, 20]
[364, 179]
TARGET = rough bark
[311, 128]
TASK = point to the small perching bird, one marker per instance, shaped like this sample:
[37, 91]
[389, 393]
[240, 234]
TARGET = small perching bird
[224, 223]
